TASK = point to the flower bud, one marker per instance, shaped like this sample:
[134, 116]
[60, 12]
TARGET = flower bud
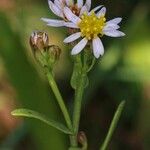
[82, 139]
[54, 52]
[44, 53]
[39, 40]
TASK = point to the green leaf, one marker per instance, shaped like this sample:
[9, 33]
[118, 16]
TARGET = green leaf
[113, 125]
[92, 63]
[89, 60]
[75, 79]
[77, 72]
[33, 114]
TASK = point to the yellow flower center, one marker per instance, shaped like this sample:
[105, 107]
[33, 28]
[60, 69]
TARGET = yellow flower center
[91, 25]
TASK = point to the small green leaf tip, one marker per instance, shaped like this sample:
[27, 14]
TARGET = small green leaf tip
[122, 104]
[33, 114]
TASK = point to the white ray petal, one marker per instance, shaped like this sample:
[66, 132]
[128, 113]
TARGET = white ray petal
[68, 2]
[79, 47]
[114, 33]
[83, 9]
[72, 37]
[53, 22]
[70, 25]
[114, 21]
[96, 8]
[55, 9]
[102, 12]
[98, 48]
[88, 4]
[61, 1]
[70, 16]
[79, 3]
[59, 4]
[111, 26]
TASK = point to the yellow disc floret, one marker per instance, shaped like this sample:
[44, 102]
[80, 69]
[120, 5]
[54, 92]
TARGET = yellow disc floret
[91, 25]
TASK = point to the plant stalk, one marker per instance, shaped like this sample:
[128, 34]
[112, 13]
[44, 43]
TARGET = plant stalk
[77, 107]
[59, 99]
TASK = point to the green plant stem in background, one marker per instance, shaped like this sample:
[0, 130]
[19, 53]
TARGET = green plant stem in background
[59, 99]
[77, 106]
[113, 125]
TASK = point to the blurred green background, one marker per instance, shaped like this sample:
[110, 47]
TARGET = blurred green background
[123, 73]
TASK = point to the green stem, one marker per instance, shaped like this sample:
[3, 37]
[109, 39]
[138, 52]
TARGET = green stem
[59, 99]
[113, 125]
[77, 106]
[73, 142]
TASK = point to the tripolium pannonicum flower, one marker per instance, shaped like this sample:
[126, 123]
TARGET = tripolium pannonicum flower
[90, 26]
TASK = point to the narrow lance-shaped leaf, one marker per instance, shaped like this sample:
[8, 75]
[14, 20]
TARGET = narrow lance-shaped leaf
[33, 114]
[113, 125]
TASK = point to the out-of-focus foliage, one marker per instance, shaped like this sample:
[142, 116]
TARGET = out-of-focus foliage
[123, 73]
[31, 90]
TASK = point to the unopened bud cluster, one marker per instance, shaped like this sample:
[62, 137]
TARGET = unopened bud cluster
[45, 54]
[82, 139]
[39, 40]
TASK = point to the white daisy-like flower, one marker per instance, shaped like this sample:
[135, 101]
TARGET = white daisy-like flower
[92, 26]
[57, 7]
